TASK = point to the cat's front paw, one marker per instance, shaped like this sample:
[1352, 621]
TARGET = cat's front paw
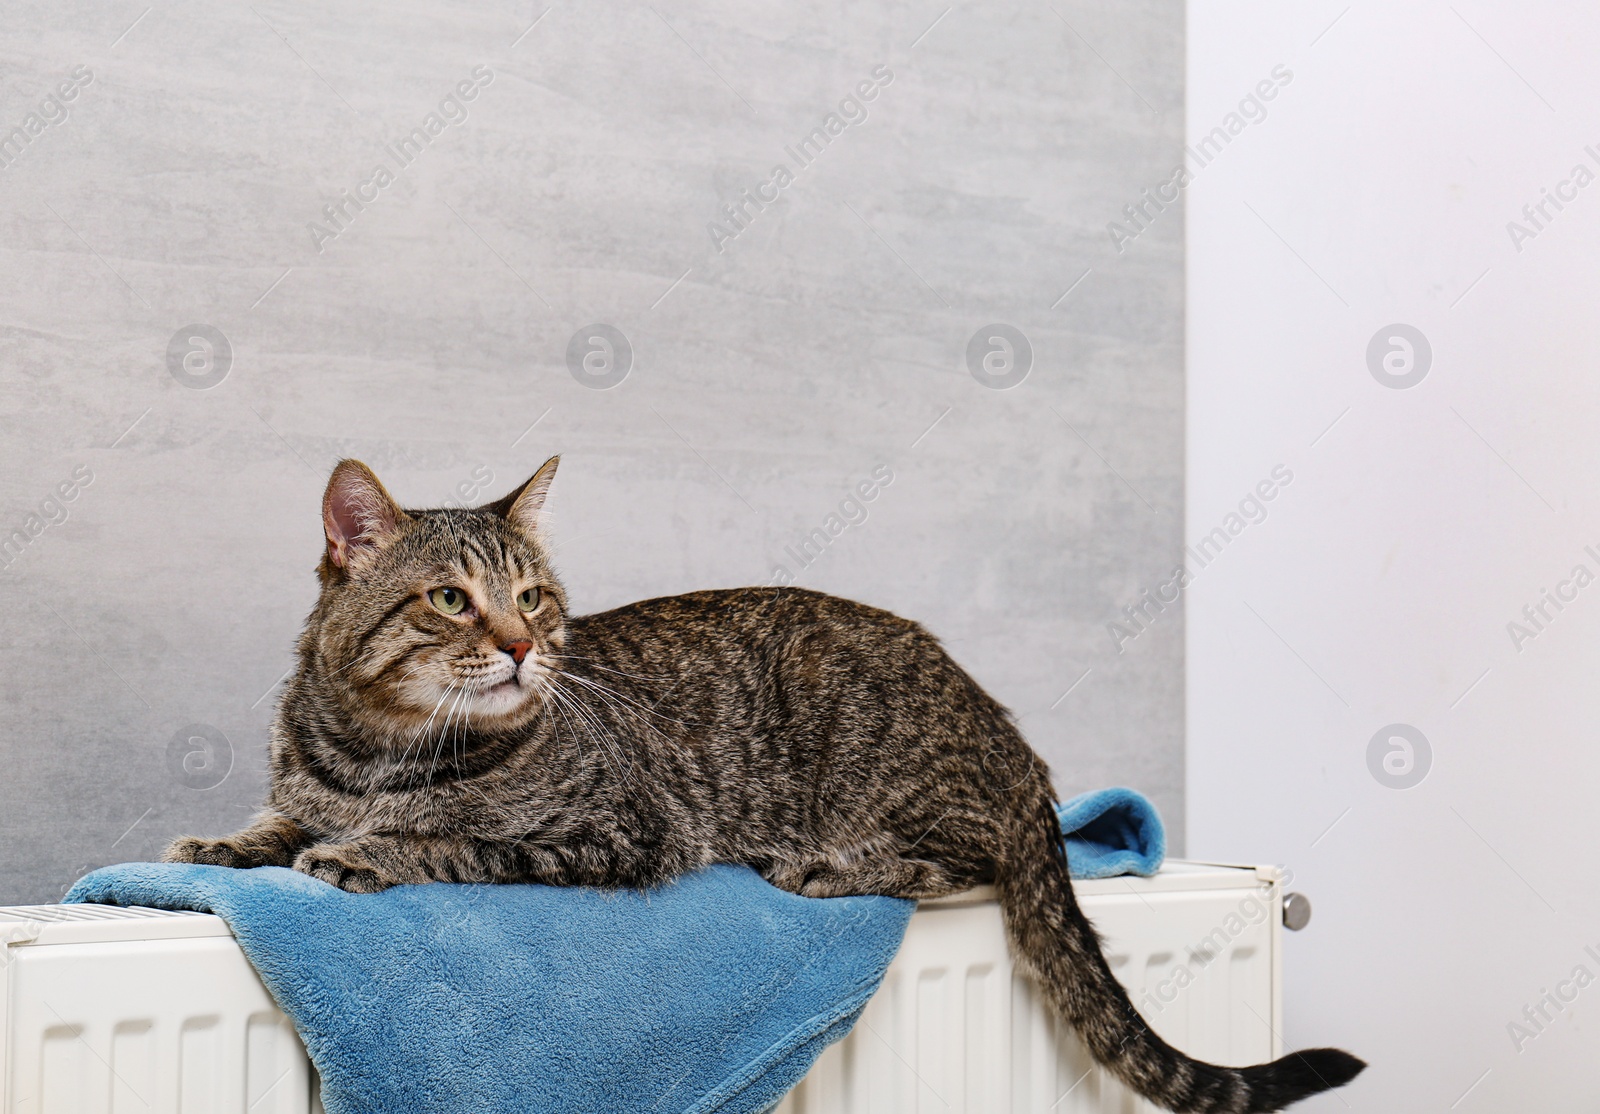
[208, 852]
[344, 865]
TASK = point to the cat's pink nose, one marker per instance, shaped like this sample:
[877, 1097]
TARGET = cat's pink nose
[517, 650]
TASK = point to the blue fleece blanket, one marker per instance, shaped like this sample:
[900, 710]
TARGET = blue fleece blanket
[715, 993]
[1111, 832]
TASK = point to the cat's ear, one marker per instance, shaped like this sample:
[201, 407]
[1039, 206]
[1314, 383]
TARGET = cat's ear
[524, 505]
[358, 515]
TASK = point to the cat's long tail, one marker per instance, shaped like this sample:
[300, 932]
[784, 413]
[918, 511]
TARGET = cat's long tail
[1061, 947]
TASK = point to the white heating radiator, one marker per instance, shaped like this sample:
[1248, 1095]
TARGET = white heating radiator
[137, 1011]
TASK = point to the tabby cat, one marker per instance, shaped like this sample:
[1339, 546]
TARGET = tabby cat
[449, 720]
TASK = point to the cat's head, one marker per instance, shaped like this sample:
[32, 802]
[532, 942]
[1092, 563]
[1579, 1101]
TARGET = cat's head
[435, 617]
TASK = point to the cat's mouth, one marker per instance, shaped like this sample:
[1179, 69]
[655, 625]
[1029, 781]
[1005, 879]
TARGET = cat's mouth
[498, 697]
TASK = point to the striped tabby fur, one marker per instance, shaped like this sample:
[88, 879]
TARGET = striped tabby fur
[833, 747]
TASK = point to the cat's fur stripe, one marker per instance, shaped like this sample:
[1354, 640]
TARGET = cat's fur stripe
[833, 747]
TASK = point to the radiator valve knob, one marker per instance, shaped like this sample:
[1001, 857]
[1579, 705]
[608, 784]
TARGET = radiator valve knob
[1296, 911]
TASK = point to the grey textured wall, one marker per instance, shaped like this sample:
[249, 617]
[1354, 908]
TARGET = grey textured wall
[774, 366]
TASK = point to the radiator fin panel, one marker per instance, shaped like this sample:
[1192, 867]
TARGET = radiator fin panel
[199, 1053]
[133, 1060]
[62, 1070]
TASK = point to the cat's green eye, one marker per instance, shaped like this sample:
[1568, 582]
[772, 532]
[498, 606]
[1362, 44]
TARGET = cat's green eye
[528, 599]
[451, 601]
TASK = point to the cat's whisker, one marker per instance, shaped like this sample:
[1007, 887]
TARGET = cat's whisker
[582, 716]
[615, 698]
[623, 711]
[578, 742]
[620, 713]
[611, 695]
[463, 731]
[421, 731]
[429, 721]
[412, 672]
[602, 738]
[445, 728]
[560, 703]
[593, 664]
